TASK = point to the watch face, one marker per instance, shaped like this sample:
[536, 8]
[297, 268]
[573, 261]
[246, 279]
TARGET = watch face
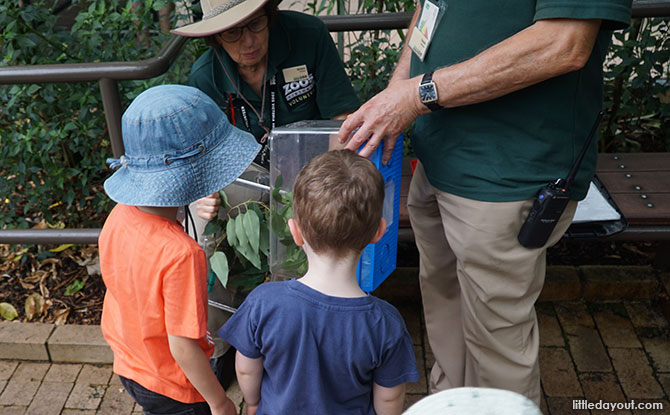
[427, 92]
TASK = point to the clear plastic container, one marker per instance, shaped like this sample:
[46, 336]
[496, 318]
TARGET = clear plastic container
[292, 147]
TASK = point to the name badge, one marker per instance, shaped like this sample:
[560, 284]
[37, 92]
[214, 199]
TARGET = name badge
[423, 32]
[299, 91]
[296, 73]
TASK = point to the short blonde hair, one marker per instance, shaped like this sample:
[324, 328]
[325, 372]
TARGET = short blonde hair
[337, 202]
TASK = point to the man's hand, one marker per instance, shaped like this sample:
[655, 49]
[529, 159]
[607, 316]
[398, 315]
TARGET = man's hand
[208, 206]
[251, 409]
[384, 117]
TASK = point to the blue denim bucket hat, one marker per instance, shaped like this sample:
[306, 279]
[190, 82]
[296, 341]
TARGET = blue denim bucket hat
[179, 147]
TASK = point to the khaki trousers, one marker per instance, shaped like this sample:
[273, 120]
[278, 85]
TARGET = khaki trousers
[479, 287]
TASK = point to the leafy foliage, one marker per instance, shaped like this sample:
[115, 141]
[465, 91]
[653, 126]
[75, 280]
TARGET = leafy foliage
[637, 88]
[295, 262]
[370, 56]
[241, 240]
[240, 243]
[53, 139]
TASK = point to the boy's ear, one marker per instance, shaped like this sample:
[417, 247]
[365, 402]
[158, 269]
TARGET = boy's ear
[295, 232]
[380, 231]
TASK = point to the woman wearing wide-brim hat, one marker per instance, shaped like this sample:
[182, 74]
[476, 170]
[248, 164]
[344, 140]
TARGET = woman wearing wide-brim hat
[264, 68]
[267, 68]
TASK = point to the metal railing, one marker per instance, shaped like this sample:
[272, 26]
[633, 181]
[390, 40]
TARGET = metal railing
[107, 74]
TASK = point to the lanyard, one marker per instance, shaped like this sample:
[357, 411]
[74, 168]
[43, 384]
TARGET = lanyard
[273, 107]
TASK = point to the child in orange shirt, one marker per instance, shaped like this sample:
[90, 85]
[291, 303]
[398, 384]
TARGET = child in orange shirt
[155, 310]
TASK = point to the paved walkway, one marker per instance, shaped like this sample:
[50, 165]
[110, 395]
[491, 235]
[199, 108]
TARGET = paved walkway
[593, 348]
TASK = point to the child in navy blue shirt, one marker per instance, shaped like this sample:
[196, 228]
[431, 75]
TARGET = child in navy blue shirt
[319, 344]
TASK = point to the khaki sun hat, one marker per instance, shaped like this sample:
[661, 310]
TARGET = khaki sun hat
[219, 15]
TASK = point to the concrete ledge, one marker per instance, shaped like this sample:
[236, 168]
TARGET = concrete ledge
[47, 342]
[636, 283]
[24, 341]
[79, 344]
[561, 283]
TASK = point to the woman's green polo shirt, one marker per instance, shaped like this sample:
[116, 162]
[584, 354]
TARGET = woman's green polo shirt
[296, 39]
[506, 149]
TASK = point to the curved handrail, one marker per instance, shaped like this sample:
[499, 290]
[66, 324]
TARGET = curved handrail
[651, 8]
[94, 71]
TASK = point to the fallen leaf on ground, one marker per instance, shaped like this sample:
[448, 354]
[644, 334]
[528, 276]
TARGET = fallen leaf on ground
[60, 316]
[7, 311]
[34, 306]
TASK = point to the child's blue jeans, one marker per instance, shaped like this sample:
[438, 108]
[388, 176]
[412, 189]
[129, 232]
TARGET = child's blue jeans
[156, 404]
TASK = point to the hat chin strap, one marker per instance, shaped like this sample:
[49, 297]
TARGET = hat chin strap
[189, 217]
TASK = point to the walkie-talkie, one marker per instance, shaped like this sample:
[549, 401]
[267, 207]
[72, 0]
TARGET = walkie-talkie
[551, 202]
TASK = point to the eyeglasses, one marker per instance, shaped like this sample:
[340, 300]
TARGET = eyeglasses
[255, 26]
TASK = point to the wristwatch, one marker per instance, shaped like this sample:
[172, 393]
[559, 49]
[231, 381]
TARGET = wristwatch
[428, 92]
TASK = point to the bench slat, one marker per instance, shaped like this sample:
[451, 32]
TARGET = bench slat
[639, 183]
[636, 182]
[622, 162]
[637, 212]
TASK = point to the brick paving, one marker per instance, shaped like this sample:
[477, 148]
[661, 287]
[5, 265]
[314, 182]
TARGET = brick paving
[591, 350]
[610, 351]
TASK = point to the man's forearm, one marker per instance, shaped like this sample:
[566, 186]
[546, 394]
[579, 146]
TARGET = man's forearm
[542, 51]
[546, 49]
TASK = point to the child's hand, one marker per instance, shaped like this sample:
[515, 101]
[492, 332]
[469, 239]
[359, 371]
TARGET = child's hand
[227, 408]
[208, 207]
[251, 409]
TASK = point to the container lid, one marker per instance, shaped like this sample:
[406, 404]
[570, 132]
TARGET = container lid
[309, 127]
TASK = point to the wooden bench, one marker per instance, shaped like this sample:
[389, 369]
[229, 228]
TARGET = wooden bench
[639, 183]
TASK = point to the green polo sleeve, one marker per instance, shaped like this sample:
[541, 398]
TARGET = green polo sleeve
[615, 14]
[335, 95]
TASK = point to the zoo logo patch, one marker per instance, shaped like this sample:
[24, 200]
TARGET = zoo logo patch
[299, 91]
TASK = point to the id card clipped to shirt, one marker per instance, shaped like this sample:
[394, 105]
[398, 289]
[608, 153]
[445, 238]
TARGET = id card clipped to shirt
[422, 35]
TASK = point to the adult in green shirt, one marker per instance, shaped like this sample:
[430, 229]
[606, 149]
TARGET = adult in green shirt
[268, 68]
[264, 68]
[518, 85]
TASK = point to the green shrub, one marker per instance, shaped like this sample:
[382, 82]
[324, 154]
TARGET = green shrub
[53, 136]
[637, 89]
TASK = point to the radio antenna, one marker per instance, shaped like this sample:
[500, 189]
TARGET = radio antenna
[575, 167]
